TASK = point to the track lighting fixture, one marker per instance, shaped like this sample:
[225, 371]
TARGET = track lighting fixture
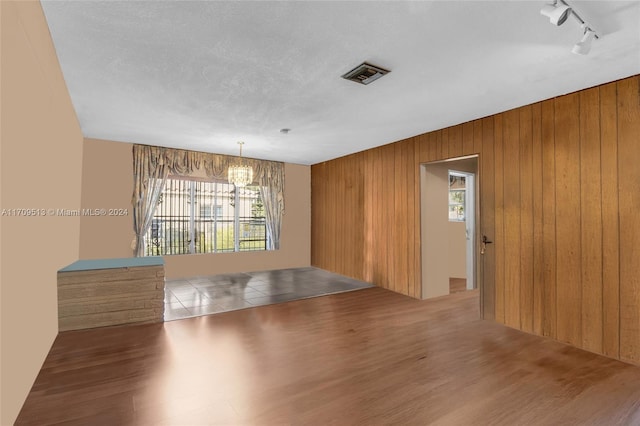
[558, 12]
[584, 45]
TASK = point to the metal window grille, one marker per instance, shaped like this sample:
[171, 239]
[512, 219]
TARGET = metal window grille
[206, 217]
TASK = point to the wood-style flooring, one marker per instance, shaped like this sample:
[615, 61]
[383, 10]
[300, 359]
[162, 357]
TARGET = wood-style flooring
[368, 357]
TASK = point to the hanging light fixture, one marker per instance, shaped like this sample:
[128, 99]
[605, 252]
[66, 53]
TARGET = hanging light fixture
[240, 174]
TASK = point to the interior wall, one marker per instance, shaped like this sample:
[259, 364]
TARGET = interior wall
[435, 230]
[41, 161]
[559, 197]
[457, 249]
[111, 236]
[107, 183]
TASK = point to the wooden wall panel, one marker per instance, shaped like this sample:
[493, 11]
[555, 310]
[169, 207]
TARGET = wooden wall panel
[368, 248]
[629, 208]
[547, 132]
[610, 228]
[498, 238]
[375, 180]
[444, 143]
[411, 169]
[389, 217]
[380, 275]
[487, 266]
[400, 224]
[436, 146]
[559, 196]
[467, 138]
[422, 146]
[568, 254]
[415, 289]
[526, 219]
[591, 220]
[478, 136]
[537, 197]
[511, 141]
[318, 214]
[455, 141]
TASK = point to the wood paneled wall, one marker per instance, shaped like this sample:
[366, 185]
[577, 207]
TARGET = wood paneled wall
[559, 196]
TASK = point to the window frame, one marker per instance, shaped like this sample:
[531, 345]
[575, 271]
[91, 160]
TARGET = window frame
[195, 217]
[451, 190]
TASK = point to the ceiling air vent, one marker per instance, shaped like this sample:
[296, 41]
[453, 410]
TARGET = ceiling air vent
[365, 73]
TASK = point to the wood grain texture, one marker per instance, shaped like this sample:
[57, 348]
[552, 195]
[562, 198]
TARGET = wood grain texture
[455, 141]
[434, 146]
[591, 220]
[526, 219]
[422, 146]
[558, 196]
[105, 297]
[445, 142]
[499, 238]
[512, 214]
[610, 221]
[629, 207]
[538, 234]
[317, 213]
[467, 138]
[487, 201]
[389, 214]
[367, 272]
[366, 357]
[568, 255]
[413, 224]
[549, 240]
[478, 135]
[400, 225]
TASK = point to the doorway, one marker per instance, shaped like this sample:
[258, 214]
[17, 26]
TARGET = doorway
[449, 233]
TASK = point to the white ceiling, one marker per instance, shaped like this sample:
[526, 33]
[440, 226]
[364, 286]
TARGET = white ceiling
[203, 75]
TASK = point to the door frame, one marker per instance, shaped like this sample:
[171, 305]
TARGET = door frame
[424, 194]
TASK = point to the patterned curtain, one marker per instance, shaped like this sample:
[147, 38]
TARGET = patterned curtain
[273, 207]
[149, 176]
[152, 165]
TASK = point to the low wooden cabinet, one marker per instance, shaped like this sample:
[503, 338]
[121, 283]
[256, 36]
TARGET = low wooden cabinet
[104, 292]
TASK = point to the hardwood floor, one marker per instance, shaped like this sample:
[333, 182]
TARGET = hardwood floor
[364, 357]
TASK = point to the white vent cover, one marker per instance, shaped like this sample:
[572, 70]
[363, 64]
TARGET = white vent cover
[365, 73]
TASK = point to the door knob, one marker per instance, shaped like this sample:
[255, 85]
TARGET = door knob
[485, 241]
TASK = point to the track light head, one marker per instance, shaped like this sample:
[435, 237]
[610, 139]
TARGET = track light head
[557, 12]
[584, 45]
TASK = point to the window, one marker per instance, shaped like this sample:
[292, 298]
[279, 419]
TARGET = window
[457, 196]
[206, 217]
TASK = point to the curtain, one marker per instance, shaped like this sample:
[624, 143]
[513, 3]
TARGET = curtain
[273, 211]
[152, 165]
[149, 177]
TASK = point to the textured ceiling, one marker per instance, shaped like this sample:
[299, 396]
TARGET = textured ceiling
[203, 75]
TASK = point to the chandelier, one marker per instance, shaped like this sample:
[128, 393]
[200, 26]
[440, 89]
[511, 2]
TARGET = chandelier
[240, 174]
